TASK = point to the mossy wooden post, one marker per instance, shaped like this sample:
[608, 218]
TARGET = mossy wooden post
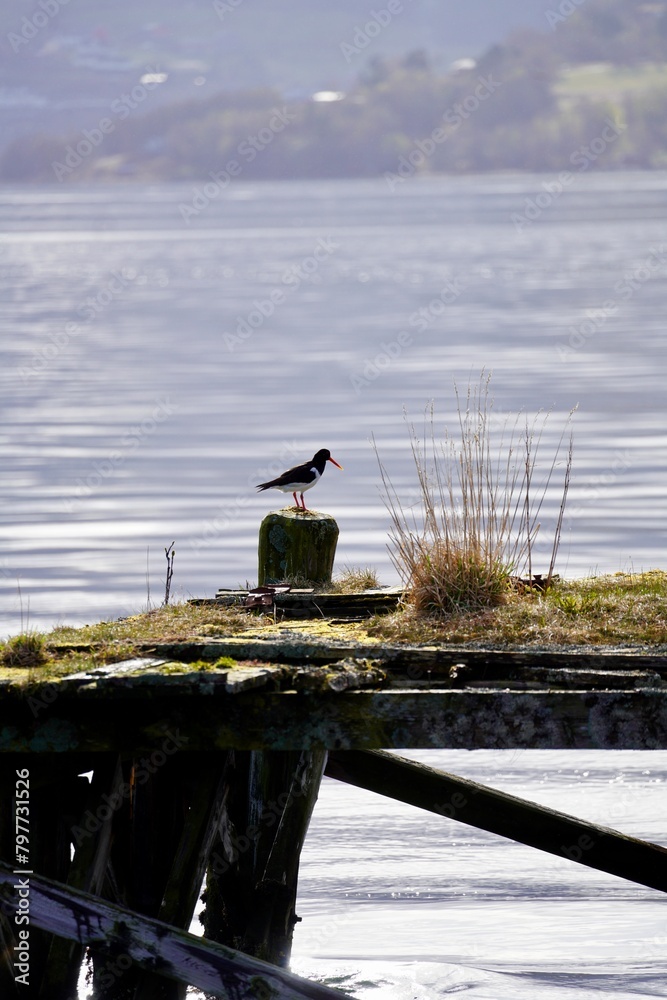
[297, 545]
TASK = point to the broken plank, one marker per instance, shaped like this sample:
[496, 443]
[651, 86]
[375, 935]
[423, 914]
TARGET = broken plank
[311, 604]
[343, 675]
[156, 946]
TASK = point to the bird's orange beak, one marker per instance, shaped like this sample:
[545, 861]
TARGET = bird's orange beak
[336, 463]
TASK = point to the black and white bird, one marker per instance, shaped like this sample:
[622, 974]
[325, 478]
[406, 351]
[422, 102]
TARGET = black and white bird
[302, 477]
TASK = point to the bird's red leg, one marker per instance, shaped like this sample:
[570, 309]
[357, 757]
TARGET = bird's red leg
[303, 503]
[295, 499]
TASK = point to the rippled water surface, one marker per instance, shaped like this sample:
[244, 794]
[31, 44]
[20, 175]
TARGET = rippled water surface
[158, 361]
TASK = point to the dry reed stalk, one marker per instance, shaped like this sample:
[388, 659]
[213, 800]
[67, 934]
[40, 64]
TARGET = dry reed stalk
[478, 511]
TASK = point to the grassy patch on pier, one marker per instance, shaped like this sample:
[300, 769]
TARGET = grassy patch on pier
[170, 623]
[622, 609]
[614, 610]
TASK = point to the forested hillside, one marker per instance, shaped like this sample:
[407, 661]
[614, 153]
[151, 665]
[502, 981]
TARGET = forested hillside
[586, 92]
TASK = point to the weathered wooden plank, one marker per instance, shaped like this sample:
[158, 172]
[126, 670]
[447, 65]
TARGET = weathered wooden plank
[117, 669]
[156, 946]
[466, 719]
[248, 678]
[417, 661]
[310, 604]
[518, 819]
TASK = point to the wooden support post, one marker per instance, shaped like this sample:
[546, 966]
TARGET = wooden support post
[252, 880]
[91, 838]
[149, 830]
[188, 868]
[526, 822]
[297, 545]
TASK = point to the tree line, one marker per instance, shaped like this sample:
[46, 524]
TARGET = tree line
[403, 116]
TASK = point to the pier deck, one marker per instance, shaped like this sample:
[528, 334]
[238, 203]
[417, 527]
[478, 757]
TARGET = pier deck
[292, 691]
[193, 746]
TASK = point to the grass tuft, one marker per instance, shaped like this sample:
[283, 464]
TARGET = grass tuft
[353, 579]
[477, 512]
[25, 650]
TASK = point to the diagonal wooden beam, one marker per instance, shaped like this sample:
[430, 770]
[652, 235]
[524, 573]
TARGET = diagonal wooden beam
[488, 809]
[156, 946]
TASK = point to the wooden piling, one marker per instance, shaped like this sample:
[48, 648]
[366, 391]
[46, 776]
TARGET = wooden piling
[164, 827]
[252, 879]
[297, 545]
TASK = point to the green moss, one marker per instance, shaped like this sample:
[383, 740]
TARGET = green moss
[224, 661]
[296, 545]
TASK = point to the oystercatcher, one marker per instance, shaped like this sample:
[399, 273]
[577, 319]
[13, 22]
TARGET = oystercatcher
[301, 477]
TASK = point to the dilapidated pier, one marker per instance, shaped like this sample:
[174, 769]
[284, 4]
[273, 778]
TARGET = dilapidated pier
[203, 761]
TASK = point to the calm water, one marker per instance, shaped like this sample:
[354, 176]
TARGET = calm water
[162, 352]
[154, 369]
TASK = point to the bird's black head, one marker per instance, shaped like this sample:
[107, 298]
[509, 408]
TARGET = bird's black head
[323, 456]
